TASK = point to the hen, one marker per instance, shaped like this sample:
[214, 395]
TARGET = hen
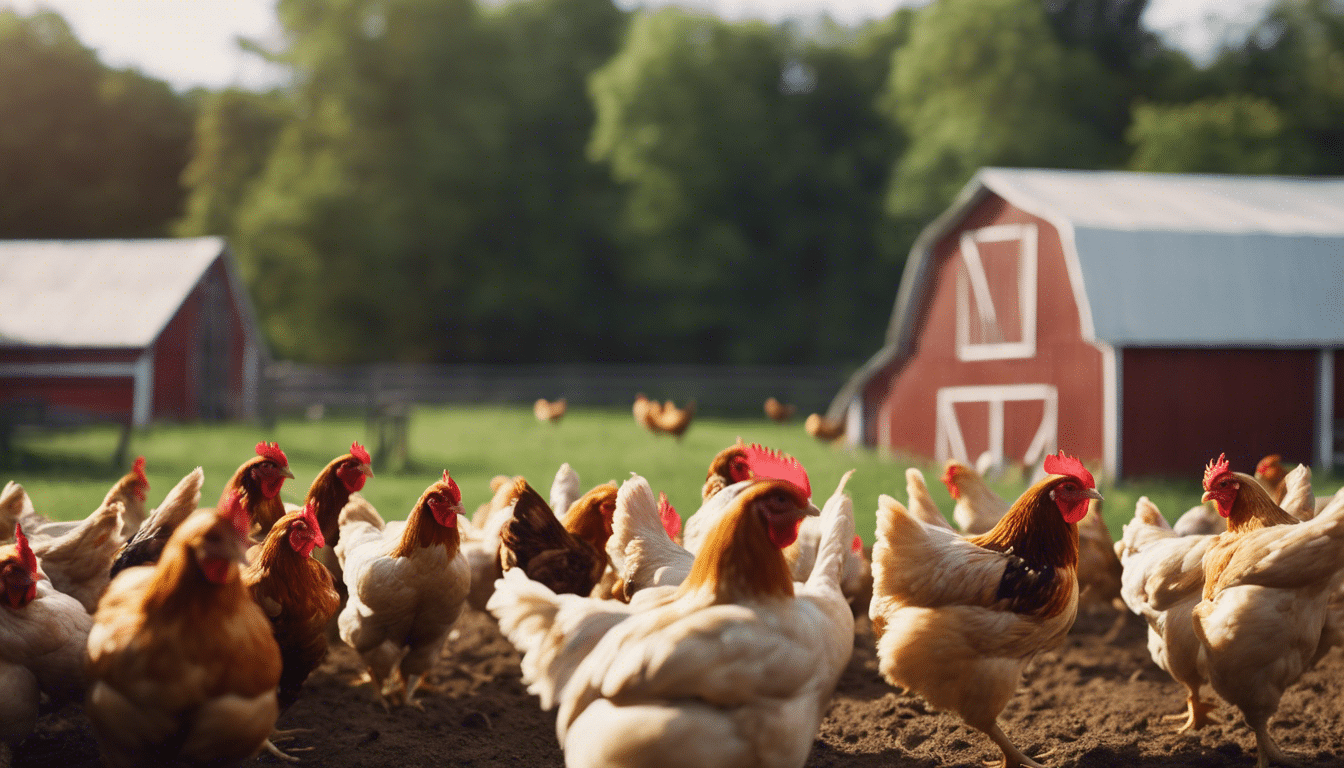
[259, 480]
[732, 668]
[148, 542]
[567, 556]
[182, 664]
[1272, 476]
[1099, 568]
[824, 429]
[641, 548]
[297, 594]
[777, 411]
[78, 562]
[131, 490]
[547, 410]
[978, 507]
[480, 540]
[1268, 581]
[1161, 582]
[922, 505]
[328, 495]
[42, 637]
[407, 583]
[957, 619]
[671, 420]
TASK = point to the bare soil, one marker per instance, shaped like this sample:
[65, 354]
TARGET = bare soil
[1090, 704]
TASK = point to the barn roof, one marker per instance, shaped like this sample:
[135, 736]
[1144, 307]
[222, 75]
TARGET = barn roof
[97, 293]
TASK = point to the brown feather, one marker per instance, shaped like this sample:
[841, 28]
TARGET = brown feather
[422, 530]
[535, 540]
[738, 560]
[1034, 531]
[263, 512]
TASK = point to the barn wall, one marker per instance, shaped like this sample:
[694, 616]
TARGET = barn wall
[1063, 359]
[1183, 407]
[102, 396]
[175, 363]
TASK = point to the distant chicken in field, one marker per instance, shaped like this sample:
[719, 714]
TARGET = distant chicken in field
[298, 596]
[957, 619]
[182, 663]
[42, 638]
[407, 582]
[149, 540]
[568, 556]
[548, 410]
[1265, 614]
[646, 411]
[131, 490]
[671, 420]
[734, 667]
[978, 507]
[777, 411]
[1162, 582]
[824, 429]
[260, 479]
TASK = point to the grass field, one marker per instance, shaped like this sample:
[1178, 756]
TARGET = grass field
[67, 474]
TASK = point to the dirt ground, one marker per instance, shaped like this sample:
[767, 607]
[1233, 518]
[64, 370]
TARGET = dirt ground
[1090, 704]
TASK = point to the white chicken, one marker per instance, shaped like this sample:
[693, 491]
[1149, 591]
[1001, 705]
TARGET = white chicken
[732, 668]
[407, 581]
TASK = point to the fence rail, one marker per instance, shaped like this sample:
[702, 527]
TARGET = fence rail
[738, 390]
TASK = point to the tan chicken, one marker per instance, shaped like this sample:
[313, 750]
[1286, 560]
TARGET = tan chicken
[568, 556]
[145, 546]
[642, 550]
[657, 685]
[182, 664]
[646, 411]
[777, 411]
[1162, 582]
[1199, 520]
[407, 582]
[298, 596]
[548, 410]
[42, 637]
[978, 507]
[957, 619]
[668, 419]
[824, 429]
[1099, 569]
[131, 490]
[922, 505]
[1268, 581]
[79, 562]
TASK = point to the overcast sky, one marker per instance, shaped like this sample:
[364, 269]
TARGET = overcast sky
[191, 42]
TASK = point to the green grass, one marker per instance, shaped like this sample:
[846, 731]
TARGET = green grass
[67, 474]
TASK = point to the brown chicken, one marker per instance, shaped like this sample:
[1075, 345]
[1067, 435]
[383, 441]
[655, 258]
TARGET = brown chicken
[298, 596]
[671, 420]
[148, 542]
[331, 489]
[260, 479]
[549, 410]
[1270, 473]
[958, 619]
[1099, 570]
[824, 429]
[777, 411]
[569, 557]
[728, 466]
[646, 411]
[182, 662]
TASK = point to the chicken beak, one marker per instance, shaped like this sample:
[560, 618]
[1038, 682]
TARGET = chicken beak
[366, 469]
[1092, 493]
[285, 473]
[811, 510]
[1206, 498]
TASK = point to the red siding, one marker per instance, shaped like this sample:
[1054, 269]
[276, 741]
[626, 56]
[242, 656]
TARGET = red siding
[175, 363]
[1183, 407]
[1062, 360]
[101, 396]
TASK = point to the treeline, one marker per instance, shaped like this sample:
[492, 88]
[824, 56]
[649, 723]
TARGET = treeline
[560, 180]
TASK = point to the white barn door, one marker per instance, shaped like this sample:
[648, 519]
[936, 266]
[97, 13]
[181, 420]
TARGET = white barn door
[991, 403]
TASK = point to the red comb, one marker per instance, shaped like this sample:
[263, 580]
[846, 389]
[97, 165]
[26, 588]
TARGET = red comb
[453, 490]
[776, 465]
[139, 469]
[360, 453]
[234, 511]
[1267, 462]
[26, 555]
[671, 520]
[857, 544]
[1068, 465]
[272, 451]
[1214, 469]
[310, 517]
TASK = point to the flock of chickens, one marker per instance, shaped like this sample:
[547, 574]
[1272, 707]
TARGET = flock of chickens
[666, 418]
[186, 632]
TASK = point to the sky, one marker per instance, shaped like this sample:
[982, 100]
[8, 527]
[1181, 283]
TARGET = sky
[192, 42]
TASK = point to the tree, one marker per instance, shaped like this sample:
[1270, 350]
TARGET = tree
[1233, 134]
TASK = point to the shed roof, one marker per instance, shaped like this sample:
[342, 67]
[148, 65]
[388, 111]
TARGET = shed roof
[97, 293]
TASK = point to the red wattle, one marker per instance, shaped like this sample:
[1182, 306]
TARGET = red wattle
[784, 535]
[215, 569]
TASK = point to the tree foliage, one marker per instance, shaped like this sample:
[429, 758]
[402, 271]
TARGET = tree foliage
[1233, 134]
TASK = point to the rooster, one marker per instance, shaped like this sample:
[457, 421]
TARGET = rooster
[260, 479]
[567, 556]
[733, 667]
[547, 410]
[131, 490]
[42, 637]
[297, 595]
[148, 542]
[182, 664]
[1268, 581]
[777, 411]
[824, 429]
[407, 582]
[957, 619]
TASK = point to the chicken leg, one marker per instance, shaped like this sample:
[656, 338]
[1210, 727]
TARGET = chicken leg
[1267, 750]
[1196, 715]
[1012, 756]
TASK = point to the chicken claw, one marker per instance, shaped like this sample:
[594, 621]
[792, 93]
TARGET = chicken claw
[1196, 716]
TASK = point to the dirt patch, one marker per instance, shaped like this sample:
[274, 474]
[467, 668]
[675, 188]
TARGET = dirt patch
[1090, 704]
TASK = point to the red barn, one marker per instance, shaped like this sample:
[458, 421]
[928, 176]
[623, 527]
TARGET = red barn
[1145, 322]
[136, 330]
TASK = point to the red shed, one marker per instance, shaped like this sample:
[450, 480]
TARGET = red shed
[118, 329]
[1145, 322]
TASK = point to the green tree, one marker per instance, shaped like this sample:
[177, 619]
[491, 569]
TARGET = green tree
[1233, 134]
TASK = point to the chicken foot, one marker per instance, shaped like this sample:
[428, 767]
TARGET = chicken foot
[1267, 751]
[1012, 756]
[1196, 715]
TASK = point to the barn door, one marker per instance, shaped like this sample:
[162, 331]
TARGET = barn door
[1015, 423]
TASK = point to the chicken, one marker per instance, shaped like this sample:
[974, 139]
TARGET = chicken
[567, 556]
[734, 667]
[728, 466]
[546, 410]
[79, 562]
[641, 549]
[777, 411]
[182, 664]
[922, 505]
[297, 594]
[1198, 521]
[824, 429]
[407, 582]
[668, 418]
[13, 503]
[1298, 500]
[646, 411]
[131, 490]
[1272, 476]
[1268, 581]
[1099, 568]
[260, 479]
[42, 637]
[331, 489]
[145, 546]
[565, 488]
[978, 507]
[1161, 582]
[736, 464]
[480, 541]
[957, 619]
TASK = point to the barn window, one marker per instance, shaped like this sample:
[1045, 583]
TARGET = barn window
[996, 293]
